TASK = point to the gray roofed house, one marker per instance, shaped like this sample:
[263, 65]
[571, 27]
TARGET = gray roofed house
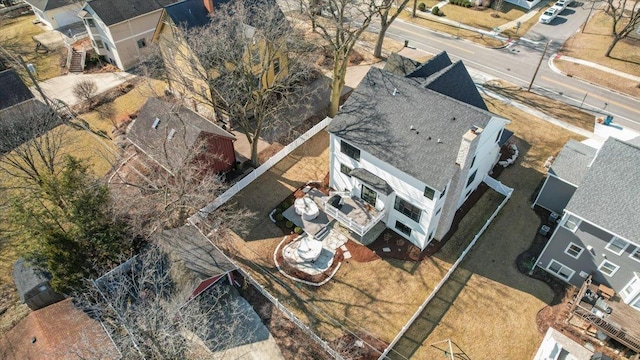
[189, 13]
[173, 135]
[33, 286]
[379, 122]
[13, 90]
[598, 236]
[400, 65]
[438, 62]
[410, 152]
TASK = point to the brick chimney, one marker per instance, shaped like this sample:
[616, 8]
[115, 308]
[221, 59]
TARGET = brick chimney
[208, 4]
[466, 146]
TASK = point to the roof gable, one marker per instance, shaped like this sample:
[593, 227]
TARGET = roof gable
[455, 81]
[171, 141]
[572, 162]
[609, 192]
[431, 66]
[13, 90]
[115, 11]
[414, 129]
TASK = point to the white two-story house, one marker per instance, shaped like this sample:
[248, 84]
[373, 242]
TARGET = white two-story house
[413, 153]
[122, 30]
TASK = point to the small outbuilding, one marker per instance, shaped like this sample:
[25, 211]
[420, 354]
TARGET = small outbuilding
[33, 286]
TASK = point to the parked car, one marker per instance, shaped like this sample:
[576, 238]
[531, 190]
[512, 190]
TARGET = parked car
[561, 5]
[549, 15]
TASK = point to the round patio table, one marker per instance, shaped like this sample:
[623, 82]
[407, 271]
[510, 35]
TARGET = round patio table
[307, 208]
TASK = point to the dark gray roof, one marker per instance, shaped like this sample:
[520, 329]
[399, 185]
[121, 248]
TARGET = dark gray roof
[431, 66]
[572, 162]
[26, 277]
[378, 117]
[189, 13]
[170, 153]
[400, 65]
[371, 179]
[608, 194]
[13, 90]
[115, 11]
[455, 81]
[194, 250]
[44, 5]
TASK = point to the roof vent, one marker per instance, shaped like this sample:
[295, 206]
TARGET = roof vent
[411, 127]
[172, 133]
[155, 124]
[395, 91]
[453, 118]
[439, 141]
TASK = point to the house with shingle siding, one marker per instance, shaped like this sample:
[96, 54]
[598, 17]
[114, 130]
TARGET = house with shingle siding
[597, 192]
[413, 142]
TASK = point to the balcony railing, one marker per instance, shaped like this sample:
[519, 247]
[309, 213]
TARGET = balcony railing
[351, 223]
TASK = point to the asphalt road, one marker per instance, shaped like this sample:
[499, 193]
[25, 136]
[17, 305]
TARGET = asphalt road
[517, 63]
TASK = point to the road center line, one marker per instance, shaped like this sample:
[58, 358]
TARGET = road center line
[442, 42]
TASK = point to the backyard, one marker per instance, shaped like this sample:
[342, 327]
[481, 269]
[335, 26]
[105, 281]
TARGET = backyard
[591, 45]
[16, 36]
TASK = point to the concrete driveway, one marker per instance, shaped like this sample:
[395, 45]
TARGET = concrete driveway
[61, 87]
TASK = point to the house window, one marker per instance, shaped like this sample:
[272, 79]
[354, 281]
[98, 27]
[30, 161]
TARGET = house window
[345, 169]
[90, 22]
[473, 161]
[255, 54]
[276, 66]
[635, 255]
[498, 137]
[560, 270]
[106, 46]
[617, 246]
[429, 193]
[350, 151]
[573, 250]
[572, 223]
[468, 193]
[142, 43]
[407, 209]
[257, 83]
[369, 195]
[99, 44]
[443, 192]
[438, 212]
[608, 268]
[472, 177]
[403, 228]
[431, 235]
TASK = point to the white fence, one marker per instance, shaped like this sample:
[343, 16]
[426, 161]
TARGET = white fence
[224, 197]
[508, 192]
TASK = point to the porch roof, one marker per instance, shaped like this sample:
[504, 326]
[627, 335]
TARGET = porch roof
[375, 181]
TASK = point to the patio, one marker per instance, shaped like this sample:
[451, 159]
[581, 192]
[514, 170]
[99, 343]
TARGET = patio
[293, 253]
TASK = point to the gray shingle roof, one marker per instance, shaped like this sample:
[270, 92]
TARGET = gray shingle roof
[400, 65]
[195, 251]
[170, 153]
[376, 182]
[44, 5]
[26, 277]
[455, 81]
[379, 115]
[431, 66]
[13, 91]
[572, 163]
[115, 11]
[608, 194]
[189, 13]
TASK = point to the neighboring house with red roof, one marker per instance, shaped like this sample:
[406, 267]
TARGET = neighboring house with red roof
[172, 136]
[59, 331]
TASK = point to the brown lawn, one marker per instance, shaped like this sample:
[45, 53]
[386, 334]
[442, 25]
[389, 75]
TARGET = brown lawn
[591, 46]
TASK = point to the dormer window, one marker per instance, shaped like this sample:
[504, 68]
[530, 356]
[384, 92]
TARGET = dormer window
[350, 151]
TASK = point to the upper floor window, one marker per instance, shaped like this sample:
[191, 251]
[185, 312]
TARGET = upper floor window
[472, 177]
[429, 193]
[635, 255]
[608, 268]
[407, 209]
[473, 161]
[617, 246]
[571, 222]
[142, 43]
[443, 192]
[350, 151]
[573, 250]
[276, 66]
[498, 137]
[345, 169]
[90, 22]
[369, 195]
[99, 44]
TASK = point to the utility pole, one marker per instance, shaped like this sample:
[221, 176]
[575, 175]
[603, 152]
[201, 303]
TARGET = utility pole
[538, 67]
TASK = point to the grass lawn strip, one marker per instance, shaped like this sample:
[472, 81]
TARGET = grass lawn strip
[602, 78]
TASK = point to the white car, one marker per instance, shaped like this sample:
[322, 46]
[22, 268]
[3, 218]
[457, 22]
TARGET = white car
[549, 15]
[561, 5]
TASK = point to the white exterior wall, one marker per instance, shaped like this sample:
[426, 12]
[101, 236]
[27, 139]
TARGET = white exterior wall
[57, 18]
[487, 154]
[404, 185]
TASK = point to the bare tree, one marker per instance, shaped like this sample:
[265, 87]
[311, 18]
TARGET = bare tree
[250, 66]
[625, 18]
[85, 90]
[149, 311]
[497, 7]
[345, 21]
[386, 19]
